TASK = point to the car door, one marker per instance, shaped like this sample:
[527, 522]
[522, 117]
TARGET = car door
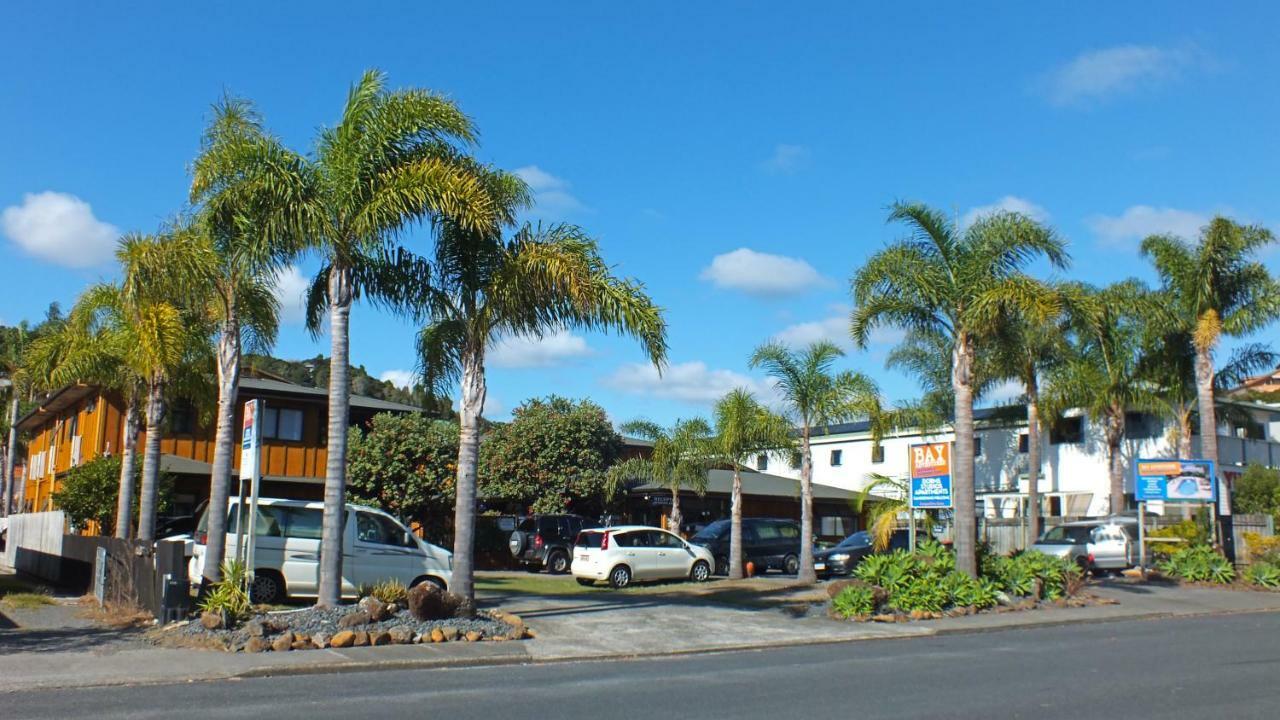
[382, 551]
[1108, 545]
[301, 568]
[673, 558]
[767, 545]
[638, 552]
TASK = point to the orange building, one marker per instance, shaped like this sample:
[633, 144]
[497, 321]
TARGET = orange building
[81, 422]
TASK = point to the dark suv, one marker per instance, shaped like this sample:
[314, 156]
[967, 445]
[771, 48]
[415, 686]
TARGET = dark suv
[546, 541]
[770, 543]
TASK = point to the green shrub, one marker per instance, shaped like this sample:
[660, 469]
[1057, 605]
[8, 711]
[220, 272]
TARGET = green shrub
[1198, 563]
[966, 591]
[1191, 531]
[388, 591]
[1264, 575]
[228, 596]
[854, 601]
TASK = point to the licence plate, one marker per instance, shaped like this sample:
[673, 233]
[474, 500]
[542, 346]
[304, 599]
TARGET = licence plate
[819, 566]
[584, 557]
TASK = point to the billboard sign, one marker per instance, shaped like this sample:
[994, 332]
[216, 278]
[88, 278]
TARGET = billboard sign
[1175, 481]
[250, 439]
[931, 475]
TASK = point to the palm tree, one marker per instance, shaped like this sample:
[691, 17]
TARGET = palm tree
[244, 233]
[479, 288]
[11, 359]
[891, 499]
[680, 458]
[954, 283]
[744, 428]
[394, 159]
[813, 396]
[1101, 371]
[1213, 288]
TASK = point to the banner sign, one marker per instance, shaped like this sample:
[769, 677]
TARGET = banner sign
[251, 439]
[931, 475]
[1175, 481]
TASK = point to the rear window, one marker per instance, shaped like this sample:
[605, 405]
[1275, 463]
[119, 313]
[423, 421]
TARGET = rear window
[527, 525]
[711, 532]
[279, 521]
[1063, 535]
[589, 539]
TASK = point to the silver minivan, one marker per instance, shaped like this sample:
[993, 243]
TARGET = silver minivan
[1105, 544]
[375, 547]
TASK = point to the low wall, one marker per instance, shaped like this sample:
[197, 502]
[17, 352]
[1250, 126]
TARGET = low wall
[34, 544]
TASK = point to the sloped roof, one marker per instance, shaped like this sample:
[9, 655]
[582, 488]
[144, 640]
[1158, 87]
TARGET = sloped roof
[762, 484]
[281, 387]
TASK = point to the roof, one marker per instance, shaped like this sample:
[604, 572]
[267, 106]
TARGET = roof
[281, 387]
[55, 403]
[758, 483]
[1000, 412]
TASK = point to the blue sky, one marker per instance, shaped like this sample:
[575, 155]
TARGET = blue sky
[736, 157]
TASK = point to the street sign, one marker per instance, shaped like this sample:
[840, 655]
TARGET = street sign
[931, 475]
[1175, 481]
[250, 471]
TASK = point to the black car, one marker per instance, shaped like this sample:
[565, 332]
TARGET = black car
[843, 557]
[546, 541]
[770, 543]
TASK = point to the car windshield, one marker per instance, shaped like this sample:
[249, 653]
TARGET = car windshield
[710, 532]
[856, 540]
[1064, 535]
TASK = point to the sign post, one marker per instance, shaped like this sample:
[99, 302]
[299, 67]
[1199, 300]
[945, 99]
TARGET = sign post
[250, 450]
[930, 483]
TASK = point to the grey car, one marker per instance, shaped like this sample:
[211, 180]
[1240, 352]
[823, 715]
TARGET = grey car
[1105, 544]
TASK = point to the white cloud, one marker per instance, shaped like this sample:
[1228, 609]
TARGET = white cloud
[691, 382]
[60, 228]
[757, 273]
[1098, 74]
[527, 352]
[551, 194]
[1008, 203]
[1003, 393]
[291, 293]
[836, 329]
[400, 378]
[787, 159]
[1140, 221]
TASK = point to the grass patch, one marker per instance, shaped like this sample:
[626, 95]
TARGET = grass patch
[20, 594]
[532, 584]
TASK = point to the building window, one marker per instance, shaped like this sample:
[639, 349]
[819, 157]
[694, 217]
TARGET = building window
[836, 457]
[835, 526]
[182, 421]
[282, 424]
[1024, 443]
[794, 461]
[877, 454]
[1068, 431]
[977, 447]
[1138, 425]
[762, 462]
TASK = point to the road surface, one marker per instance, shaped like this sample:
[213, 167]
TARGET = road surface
[1226, 666]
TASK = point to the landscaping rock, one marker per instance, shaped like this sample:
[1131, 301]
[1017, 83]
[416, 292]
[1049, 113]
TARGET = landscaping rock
[401, 635]
[475, 635]
[256, 645]
[885, 618]
[362, 638]
[376, 609]
[393, 608]
[428, 602]
[212, 620]
[437, 635]
[283, 642]
[355, 619]
[379, 637]
[451, 633]
[344, 639]
[320, 640]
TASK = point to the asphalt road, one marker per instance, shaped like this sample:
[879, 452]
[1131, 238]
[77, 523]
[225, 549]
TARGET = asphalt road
[1191, 668]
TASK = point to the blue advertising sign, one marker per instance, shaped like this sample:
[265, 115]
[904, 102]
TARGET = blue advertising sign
[931, 475]
[1175, 481]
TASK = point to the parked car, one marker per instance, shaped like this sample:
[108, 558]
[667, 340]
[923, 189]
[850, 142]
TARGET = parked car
[621, 555]
[546, 541]
[1097, 546]
[845, 555]
[375, 547]
[770, 543]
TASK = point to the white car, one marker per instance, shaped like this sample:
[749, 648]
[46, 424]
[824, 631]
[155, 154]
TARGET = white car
[375, 547]
[622, 554]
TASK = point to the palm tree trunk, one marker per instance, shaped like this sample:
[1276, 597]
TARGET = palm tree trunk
[128, 460]
[1115, 434]
[335, 476]
[676, 518]
[11, 447]
[735, 525]
[147, 503]
[1208, 413]
[470, 409]
[223, 447]
[807, 573]
[1033, 459]
[1184, 433]
[962, 469]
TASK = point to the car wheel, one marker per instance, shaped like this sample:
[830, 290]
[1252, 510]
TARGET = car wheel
[791, 565]
[620, 577]
[585, 582]
[701, 572]
[558, 562]
[267, 588]
[722, 565]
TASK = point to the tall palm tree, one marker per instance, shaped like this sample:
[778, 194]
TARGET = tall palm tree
[11, 361]
[1213, 288]
[245, 230]
[478, 288]
[680, 459]
[1101, 371]
[813, 395]
[744, 428]
[394, 159]
[954, 283]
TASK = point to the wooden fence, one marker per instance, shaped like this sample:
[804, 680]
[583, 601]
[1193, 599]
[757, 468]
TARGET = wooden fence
[1006, 535]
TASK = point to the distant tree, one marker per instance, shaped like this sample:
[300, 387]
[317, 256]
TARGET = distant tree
[552, 456]
[681, 456]
[89, 492]
[405, 464]
[1257, 490]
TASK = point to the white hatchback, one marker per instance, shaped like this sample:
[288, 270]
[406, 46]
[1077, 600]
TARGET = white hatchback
[629, 553]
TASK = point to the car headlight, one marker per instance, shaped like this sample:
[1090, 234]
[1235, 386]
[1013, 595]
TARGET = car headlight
[839, 557]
